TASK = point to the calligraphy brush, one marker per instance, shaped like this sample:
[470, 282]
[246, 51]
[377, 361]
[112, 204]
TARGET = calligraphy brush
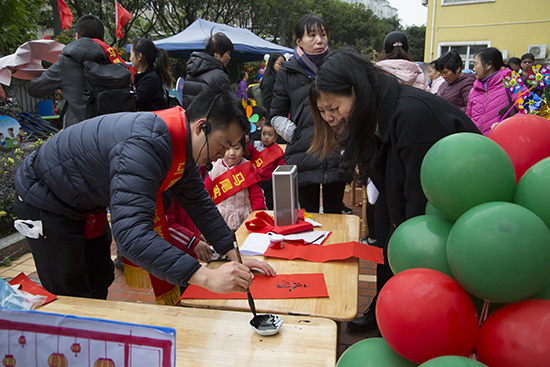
[248, 294]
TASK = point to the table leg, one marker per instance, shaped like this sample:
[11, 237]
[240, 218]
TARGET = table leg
[364, 225]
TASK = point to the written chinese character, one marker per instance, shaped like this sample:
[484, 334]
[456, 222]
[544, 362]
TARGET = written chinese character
[226, 185]
[258, 162]
[112, 52]
[238, 179]
[159, 231]
[291, 285]
[216, 191]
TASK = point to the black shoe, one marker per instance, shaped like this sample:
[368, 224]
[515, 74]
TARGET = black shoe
[368, 240]
[346, 210]
[363, 324]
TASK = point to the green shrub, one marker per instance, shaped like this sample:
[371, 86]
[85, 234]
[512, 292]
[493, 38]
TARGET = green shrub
[9, 162]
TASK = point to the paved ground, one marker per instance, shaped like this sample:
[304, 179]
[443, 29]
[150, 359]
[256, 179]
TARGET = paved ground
[120, 291]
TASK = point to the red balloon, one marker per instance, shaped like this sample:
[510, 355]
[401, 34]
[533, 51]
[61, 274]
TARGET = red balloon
[526, 139]
[262, 65]
[424, 314]
[517, 334]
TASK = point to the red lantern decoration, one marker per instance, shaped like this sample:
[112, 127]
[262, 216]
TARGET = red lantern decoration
[22, 341]
[57, 360]
[8, 361]
[75, 348]
[104, 362]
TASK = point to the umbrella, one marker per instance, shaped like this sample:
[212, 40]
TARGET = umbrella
[27, 60]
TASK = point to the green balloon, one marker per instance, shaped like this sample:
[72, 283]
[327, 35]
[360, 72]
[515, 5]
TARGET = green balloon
[452, 361]
[463, 170]
[420, 242]
[430, 210]
[500, 252]
[544, 293]
[533, 191]
[372, 352]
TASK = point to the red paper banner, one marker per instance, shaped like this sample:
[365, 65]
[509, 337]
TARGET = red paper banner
[281, 286]
[263, 223]
[321, 254]
[31, 287]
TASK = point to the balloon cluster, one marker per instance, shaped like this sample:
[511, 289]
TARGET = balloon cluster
[480, 256]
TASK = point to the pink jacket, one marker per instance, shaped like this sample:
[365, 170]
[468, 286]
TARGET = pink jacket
[407, 72]
[236, 208]
[484, 104]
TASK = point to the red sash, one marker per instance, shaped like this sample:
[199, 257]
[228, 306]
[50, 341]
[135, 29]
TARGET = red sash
[113, 55]
[234, 180]
[270, 154]
[165, 293]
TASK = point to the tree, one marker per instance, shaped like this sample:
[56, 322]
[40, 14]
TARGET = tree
[417, 37]
[19, 20]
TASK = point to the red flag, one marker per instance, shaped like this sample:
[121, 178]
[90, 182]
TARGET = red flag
[122, 17]
[65, 15]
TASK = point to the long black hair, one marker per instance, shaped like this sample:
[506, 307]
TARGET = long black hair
[345, 73]
[269, 70]
[147, 48]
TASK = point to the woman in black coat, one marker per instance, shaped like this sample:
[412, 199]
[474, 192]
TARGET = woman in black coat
[290, 99]
[385, 129]
[151, 95]
[207, 70]
[268, 80]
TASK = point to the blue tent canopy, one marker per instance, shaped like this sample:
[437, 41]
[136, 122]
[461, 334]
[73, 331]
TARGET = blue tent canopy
[248, 46]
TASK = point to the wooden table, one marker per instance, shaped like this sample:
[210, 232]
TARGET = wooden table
[341, 277]
[218, 338]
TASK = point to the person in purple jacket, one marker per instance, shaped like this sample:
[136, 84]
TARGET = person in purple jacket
[241, 89]
[457, 85]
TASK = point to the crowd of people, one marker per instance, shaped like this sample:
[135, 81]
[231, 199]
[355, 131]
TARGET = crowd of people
[481, 94]
[160, 172]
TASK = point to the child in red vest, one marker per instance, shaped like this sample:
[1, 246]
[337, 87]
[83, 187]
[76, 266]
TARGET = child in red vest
[267, 155]
[233, 185]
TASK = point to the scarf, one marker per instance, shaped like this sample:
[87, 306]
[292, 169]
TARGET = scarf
[310, 62]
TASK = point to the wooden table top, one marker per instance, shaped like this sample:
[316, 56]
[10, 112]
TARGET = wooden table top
[341, 277]
[218, 338]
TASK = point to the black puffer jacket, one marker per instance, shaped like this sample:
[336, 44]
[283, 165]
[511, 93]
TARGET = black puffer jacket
[290, 95]
[120, 161]
[203, 72]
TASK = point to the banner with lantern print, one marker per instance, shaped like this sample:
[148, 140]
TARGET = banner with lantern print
[31, 338]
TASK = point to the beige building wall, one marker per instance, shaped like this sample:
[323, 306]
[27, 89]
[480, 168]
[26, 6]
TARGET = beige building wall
[468, 25]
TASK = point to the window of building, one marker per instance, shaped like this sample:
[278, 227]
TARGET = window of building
[457, 2]
[466, 52]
